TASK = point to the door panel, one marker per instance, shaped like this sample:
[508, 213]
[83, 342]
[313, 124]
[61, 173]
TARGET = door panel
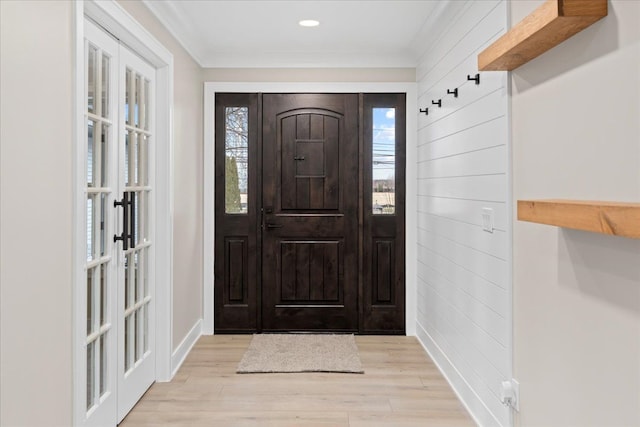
[310, 226]
[136, 308]
[383, 255]
[309, 217]
[236, 206]
[119, 361]
[98, 364]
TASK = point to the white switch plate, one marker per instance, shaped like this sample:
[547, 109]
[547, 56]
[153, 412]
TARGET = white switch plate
[487, 219]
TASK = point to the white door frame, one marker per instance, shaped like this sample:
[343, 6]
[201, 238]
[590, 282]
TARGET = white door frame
[113, 18]
[411, 218]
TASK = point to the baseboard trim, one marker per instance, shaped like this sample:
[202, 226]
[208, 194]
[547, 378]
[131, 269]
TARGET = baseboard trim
[467, 396]
[182, 351]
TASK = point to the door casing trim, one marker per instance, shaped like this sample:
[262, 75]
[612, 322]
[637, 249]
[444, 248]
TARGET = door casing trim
[411, 218]
[113, 18]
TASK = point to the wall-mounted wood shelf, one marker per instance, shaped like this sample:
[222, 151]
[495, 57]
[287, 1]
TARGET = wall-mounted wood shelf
[549, 25]
[618, 219]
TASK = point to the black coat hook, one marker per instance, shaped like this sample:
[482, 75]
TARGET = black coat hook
[453, 92]
[476, 78]
[425, 111]
[439, 103]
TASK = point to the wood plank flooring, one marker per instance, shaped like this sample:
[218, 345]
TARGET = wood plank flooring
[401, 387]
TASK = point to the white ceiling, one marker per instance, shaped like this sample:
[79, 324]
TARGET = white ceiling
[265, 33]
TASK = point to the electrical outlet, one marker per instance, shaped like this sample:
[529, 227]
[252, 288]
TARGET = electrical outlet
[487, 219]
[510, 394]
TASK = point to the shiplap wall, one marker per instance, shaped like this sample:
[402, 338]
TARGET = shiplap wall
[464, 285]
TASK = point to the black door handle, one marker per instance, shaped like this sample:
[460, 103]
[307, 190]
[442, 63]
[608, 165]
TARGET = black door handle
[132, 215]
[270, 226]
[125, 221]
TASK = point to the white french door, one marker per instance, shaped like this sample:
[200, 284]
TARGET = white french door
[118, 363]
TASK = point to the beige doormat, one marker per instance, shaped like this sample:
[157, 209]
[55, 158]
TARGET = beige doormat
[301, 353]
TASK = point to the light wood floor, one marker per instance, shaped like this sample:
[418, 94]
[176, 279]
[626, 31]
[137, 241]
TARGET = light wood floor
[400, 387]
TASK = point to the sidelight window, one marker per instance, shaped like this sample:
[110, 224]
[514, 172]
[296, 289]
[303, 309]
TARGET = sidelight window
[383, 159]
[236, 165]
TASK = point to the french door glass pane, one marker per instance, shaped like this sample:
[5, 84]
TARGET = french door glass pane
[103, 294]
[136, 260]
[103, 364]
[127, 144]
[145, 334]
[127, 348]
[90, 374]
[146, 105]
[105, 85]
[236, 159]
[138, 87]
[143, 146]
[126, 281]
[92, 72]
[104, 156]
[90, 296]
[384, 161]
[103, 224]
[136, 159]
[90, 153]
[90, 231]
[138, 329]
[127, 98]
[145, 283]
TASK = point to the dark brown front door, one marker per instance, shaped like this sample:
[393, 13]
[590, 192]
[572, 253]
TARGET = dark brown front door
[310, 212]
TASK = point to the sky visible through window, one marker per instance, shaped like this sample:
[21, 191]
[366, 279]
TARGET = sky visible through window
[384, 140]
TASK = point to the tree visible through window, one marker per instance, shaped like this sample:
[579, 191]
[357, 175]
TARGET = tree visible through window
[236, 159]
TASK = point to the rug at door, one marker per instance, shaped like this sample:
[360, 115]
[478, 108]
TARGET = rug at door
[270, 353]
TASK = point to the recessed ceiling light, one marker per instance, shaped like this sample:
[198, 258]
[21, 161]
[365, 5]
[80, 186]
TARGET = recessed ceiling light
[309, 23]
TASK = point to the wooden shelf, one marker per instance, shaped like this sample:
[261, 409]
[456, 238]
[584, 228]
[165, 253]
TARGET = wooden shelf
[618, 219]
[549, 25]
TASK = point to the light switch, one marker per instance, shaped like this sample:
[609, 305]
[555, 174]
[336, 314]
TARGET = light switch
[487, 219]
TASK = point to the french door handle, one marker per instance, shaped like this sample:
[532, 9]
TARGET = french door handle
[132, 219]
[125, 221]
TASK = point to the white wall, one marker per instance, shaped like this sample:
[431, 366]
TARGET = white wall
[36, 213]
[576, 134]
[188, 176]
[309, 75]
[464, 283]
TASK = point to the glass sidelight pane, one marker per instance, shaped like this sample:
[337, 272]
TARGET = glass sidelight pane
[91, 398]
[105, 85]
[383, 158]
[92, 77]
[236, 159]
